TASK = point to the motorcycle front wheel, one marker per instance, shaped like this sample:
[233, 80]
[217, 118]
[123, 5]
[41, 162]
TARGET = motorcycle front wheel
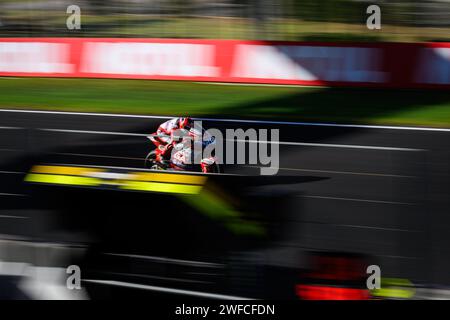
[150, 159]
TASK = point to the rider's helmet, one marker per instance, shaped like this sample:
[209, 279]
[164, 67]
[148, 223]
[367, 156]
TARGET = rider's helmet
[186, 123]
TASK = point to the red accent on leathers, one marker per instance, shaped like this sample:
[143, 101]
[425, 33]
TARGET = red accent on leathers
[205, 167]
[163, 152]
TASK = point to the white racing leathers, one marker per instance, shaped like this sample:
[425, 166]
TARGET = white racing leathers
[188, 154]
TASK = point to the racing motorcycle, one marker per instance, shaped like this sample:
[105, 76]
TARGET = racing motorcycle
[182, 157]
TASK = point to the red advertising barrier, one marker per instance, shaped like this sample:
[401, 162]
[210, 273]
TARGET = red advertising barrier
[294, 63]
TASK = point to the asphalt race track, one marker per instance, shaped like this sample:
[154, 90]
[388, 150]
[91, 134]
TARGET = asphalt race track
[385, 191]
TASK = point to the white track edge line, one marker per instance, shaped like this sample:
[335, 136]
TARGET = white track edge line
[319, 124]
[167, 290]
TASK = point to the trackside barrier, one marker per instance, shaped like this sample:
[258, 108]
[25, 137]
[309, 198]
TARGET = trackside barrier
[400, 65]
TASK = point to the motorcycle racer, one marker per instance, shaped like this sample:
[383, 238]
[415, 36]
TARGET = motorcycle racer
[165, 130]
[174, 141]
[164, 137]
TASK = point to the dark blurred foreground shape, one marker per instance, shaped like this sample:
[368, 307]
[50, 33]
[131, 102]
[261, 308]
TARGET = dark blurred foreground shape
[138, 244]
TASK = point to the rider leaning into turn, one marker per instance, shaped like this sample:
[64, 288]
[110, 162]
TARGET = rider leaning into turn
[164, 139]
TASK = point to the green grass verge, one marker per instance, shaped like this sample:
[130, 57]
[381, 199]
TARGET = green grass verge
[368, 106]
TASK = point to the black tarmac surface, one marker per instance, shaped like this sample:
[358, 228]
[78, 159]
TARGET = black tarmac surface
[385, 191]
